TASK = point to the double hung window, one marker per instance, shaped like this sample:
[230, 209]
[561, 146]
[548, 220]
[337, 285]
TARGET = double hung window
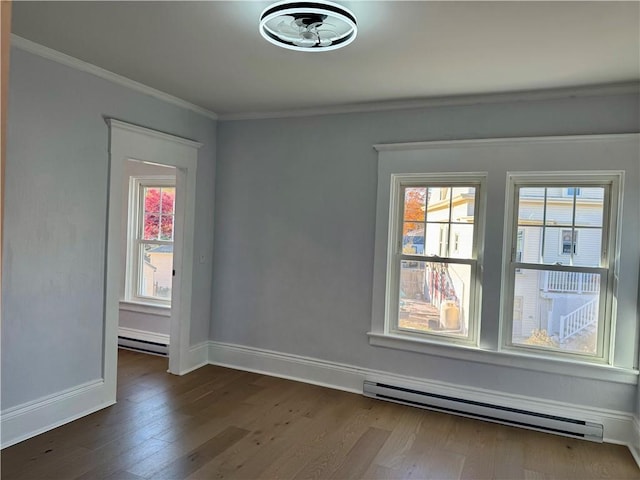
[150, 248]
[560, 299]
[528, 269]
[435, 263]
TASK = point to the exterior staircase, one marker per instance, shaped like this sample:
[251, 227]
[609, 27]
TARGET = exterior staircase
[580, 320]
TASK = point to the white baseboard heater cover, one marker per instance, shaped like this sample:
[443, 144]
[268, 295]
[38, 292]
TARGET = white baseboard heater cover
[485, 411]
[143, 346]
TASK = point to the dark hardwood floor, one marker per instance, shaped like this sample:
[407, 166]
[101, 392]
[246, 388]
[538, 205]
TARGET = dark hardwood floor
[217, 423]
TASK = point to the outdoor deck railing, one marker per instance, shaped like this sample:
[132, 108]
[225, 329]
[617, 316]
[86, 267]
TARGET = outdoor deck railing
[571, 282]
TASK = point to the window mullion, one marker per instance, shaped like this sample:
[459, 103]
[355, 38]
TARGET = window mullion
[606, 226]
[560, 268]
[515, 224]
[436, 259]
[141, 212]
[544, 226]
[155, 242]
[574, 237]
[400, 221]
[448, 249]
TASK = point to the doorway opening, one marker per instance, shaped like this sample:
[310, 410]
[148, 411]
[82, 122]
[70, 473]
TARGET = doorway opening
[137, 243]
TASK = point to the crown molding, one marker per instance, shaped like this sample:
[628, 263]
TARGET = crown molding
[456, 100]
[431, 102]
[64, 59]
[475, 142]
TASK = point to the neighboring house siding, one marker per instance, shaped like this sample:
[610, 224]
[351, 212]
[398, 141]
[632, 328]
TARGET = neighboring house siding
[147, 276]
[164, 263]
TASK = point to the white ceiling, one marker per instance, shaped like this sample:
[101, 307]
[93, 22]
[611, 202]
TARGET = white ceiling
[211, 54]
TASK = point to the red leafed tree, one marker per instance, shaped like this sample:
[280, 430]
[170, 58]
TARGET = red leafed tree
[414, 207]
[159, 220]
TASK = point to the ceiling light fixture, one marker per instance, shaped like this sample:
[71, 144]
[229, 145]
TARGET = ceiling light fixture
[308, 26]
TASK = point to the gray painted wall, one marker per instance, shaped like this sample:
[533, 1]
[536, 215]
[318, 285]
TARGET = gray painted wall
[147, 322]
[55, 221]
[295, 217]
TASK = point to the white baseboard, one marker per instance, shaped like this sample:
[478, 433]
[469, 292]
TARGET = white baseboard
[143, 335]
[198, 357]
[292, 367]
[617, 425]
[635, 445]
[27, 420]
[33, 418]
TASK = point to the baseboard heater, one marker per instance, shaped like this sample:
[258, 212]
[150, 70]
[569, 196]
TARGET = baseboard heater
[485, 411]
[143, 346]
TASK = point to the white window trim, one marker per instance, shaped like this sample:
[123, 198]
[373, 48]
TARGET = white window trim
[507, 358]
[496, 155]
[398, 182]
[610, 256]
[136, 183]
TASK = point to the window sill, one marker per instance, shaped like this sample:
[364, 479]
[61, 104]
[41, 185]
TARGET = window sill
[524, 361]
[148, 308]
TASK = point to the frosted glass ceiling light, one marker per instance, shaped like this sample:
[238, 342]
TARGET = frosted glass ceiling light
[308, 26]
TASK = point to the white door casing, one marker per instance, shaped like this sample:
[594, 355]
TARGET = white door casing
[129, 141]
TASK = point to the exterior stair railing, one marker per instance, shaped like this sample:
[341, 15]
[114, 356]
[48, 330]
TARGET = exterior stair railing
[578, 320]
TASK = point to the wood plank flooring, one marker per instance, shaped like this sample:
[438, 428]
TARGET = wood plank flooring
[217, 423]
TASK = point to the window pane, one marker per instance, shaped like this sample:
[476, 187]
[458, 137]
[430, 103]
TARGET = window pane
[413, 238]
[531, 206]
[151, 226]
[558, 245]
[588, 247]
[436, 239]
[463, 204]
[168, 200]
[520, 245]
[415, 203]
[438, 204]
[589, 207]
[528, 244]
[556, 310]
[559, 209]
[434, 297]
[156, 268]
[166, 227]
[461, 241]
[152, 199]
